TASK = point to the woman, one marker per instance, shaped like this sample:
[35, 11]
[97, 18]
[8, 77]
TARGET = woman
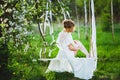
[65, 60]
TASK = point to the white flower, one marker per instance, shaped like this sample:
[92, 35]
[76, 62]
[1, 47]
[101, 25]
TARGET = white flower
[34, 60]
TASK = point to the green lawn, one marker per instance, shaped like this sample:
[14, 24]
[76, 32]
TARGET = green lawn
[108, 67]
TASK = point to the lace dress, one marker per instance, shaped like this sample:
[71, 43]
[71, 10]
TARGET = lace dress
[65, 61]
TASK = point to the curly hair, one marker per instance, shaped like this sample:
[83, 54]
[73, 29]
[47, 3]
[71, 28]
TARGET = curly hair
[68, 23]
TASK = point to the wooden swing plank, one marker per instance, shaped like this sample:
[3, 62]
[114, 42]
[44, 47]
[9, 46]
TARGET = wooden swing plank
[47, 59]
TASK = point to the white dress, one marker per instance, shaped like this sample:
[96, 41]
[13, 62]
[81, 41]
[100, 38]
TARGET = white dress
[65, 61]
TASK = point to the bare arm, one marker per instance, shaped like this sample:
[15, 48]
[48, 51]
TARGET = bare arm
[72, 48]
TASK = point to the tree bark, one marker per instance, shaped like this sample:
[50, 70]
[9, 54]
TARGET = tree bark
[112, 19]
[86, 26]
[77, 22]
[40, 31]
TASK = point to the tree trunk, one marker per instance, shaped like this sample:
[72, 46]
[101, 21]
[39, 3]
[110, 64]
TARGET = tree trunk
[89, 14]
[77, 22]
[112, 19]
[41, 34]
[51, 22]
[86, 26]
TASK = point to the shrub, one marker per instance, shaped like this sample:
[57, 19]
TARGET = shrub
[106, 22]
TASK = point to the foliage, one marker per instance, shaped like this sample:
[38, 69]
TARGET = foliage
[16, 19]
[14, 30]
[106, 22]
[108, 58]
[20, 47]
[101, 7]
[116, 11]
[4, 54]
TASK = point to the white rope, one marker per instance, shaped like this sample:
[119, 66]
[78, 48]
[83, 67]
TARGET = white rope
[93, 41]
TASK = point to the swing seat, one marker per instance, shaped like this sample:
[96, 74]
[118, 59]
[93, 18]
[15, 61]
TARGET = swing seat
[47, 59]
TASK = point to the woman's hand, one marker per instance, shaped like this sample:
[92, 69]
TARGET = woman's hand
[75, 41]
[72, 48]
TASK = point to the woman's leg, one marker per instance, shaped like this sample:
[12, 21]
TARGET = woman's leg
[82, 48]
[75, 52]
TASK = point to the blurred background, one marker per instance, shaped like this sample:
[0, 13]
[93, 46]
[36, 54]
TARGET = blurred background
[29, 29]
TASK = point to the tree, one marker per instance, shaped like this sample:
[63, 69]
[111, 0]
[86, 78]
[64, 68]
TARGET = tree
[16, 19]
[112, 19]
[86, 23]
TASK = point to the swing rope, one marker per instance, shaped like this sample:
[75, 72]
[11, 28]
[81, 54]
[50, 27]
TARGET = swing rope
[93, 49]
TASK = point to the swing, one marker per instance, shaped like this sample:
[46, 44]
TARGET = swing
[93, 51]
[84, 61]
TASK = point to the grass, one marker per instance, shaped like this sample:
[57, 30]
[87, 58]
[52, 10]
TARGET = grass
[108, 67]
[108, 50]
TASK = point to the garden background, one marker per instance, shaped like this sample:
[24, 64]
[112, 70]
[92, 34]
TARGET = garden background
[29, 28]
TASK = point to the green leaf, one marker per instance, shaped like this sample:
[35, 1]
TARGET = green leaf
[1, 11]
[2, 24]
